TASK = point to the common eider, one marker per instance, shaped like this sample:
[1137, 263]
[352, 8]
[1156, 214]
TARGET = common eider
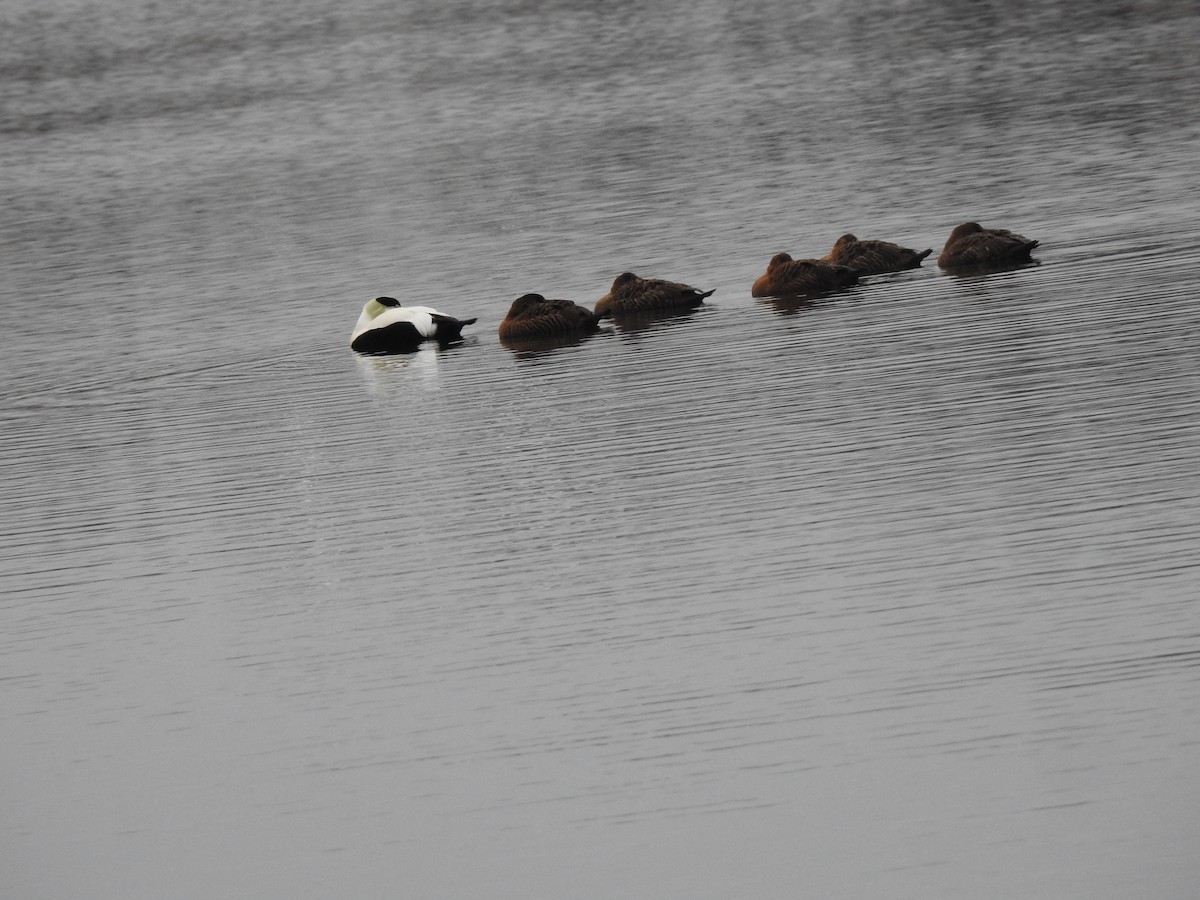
[384, 326]
[533, 317]
[874, 257]
[631, 295]
[971, 246]
[786, 276]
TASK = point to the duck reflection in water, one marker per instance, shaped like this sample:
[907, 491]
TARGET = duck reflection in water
[791, 304]
[391, 374]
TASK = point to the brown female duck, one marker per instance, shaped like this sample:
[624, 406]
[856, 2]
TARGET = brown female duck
[971, 246]
[787, 276]
[631, 295]
[874, 257]
[532, 316]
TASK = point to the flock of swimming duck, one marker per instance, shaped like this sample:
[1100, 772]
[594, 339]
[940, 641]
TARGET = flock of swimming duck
[387, 327]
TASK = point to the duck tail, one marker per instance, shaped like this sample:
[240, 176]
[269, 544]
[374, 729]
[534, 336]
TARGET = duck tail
[449, 329]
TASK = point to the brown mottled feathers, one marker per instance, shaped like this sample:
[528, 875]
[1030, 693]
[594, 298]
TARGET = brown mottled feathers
[632, 295]
[874, 257]
[786, 276]
[533, 316]
[972, 246]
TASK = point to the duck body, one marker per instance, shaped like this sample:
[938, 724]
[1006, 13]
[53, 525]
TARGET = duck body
[786, 276]
[384, 326]
[534, 317]
[631, 295]
[874, 257]
[971, 246]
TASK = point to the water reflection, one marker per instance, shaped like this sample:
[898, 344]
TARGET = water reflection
[378, 371]
[635, 323]
[531, 347]
[981, 270]
[790, 304]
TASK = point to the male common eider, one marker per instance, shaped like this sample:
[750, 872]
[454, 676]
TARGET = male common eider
[786, 276]
[874, 257]
[970, 246]
[631, 295]
[385, 326]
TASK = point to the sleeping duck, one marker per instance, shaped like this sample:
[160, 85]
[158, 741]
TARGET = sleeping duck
[971, 246]
[533, 317]
[874, 257]
[387, 327]
[631, 295]
[786, 276]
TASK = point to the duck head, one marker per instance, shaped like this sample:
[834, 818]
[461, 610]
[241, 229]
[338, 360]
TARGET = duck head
[524, 304]
[961, 231]
[378, 306]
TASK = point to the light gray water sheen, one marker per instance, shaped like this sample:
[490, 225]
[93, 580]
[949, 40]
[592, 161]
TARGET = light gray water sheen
[891, 594]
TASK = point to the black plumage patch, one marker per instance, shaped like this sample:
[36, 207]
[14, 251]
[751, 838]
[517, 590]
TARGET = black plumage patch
[399, 337]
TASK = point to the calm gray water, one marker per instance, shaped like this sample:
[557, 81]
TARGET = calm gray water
[892, 595]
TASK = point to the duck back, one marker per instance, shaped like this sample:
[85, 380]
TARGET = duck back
[872, 257]
[631, 295]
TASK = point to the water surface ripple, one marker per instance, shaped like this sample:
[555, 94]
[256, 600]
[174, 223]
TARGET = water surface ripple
[889, 593]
